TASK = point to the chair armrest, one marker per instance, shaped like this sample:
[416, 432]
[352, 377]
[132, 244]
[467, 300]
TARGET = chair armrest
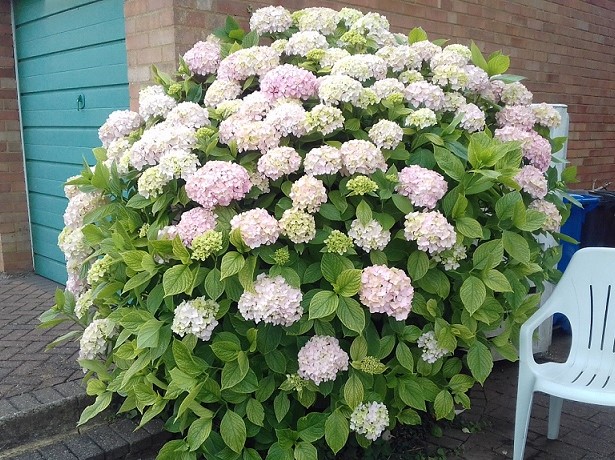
[527, 329]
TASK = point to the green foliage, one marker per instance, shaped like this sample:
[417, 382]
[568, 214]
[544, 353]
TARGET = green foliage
[234, 391]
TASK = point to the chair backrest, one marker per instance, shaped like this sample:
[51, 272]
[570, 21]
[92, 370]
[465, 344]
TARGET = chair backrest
[586, 295]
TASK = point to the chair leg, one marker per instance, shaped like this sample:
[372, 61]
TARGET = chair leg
[525, 396]
[555, 412]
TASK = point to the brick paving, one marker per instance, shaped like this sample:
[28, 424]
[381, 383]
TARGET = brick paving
[29, 374]
[25, 366]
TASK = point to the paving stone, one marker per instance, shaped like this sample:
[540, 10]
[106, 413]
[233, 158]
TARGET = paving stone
[24, 402]
[57, 452]
[84, 448]
[27, 456]
[113, 445]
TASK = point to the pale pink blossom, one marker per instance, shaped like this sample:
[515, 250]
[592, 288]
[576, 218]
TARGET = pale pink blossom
[386, 290]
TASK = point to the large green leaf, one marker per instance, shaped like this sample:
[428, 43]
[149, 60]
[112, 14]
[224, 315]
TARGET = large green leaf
[449, 163]
[331, 265]
[472, 294]
[353, 391]
[480, 361]
[232, 263]
[351, 314]
[469, 227]
[233, 431]
[255, 412]
[348, 282]
[198, 432]
[323, 304]
[305, 451]
[496, 281]
[418, 265]
[516, 246]
[443, 405]
[336, 431]
[177, 280]
[488, 255]
[101, 403]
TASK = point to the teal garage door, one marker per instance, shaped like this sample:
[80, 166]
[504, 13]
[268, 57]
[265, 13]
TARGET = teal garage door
[71, 58]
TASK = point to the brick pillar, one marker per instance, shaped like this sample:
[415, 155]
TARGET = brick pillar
[15, 247]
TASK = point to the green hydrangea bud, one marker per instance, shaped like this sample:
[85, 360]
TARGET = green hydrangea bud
[143, 230]
[175, 89]
[281, 256]
[354, 38]
[202, 134]
[99, 270]
[294, 383]
[338, 242]
[368, 97]
[134, 136]
[361, 185]
[392, 177]
[316, 54]
[370, 365]
[395, 98]
[206, 244]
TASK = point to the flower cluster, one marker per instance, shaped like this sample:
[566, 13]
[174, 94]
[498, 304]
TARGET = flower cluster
[386, 290]
[553, 218]
[308, 193]
[257, 227]
[278, 162]
[196, 316]
[423, 186]
[370, 419]
[204, 57]
[94, 339]
[273, 301]
[218, 183]
[119, 124]
[430, 230]
[370, 236]
[154, 102]
[532, 181]
[321, 358]
[431, 350]
[194, 223]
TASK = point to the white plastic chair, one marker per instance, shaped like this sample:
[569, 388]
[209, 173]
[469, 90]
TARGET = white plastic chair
[588, 375]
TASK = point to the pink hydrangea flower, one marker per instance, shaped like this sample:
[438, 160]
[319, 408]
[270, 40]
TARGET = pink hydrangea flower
[532, 181]
[273, 301]
[423, 186]
[553, 219]
[188, 114]
[370, 236]
[218, 183]
[473, 117]
[422, 93]
[119, 123]
[361, 157]
[538, 151]
[308, 193]
[204, 57]
[386, 290]
[323, 160]
[430, 230]
[321, 358]
[278, 162]
[289, 81]
[520, 116]
[386, 134]
[194, 223]
[478, 78]
[257, 227]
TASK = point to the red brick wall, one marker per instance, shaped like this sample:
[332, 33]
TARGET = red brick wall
[565, 48]
[15, 252]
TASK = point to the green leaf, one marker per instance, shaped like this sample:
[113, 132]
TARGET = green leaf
[277, 452]
[250, 39]
[417, 35]
[411, 393]
[323, 304]
[255, 412]
[137, 281]
[331, 265]
[100, 404]
[305, 451]
[358, 349]
[232, 263]
[353, 391]
[496, 281]
[469, 227]
[504, 207]
[225, 350]
[233, 431]
[198, 432]
[460, 383]
[516, 246]
[477, 57]
[488, 255]
[312, 426]
[404, 356]
[281, 405]
[246, 274]
[149, 334]
[480, 361]
[364, 213]
[232, 374]
[214, 287]
[348, 282]
[449, 163]
[351, 314]
[134, 259]
[177, 280]
[409, 417]
[472, 294]
[185, 360]
[498, 64]
[402, 203]
[336, 431]
[443, 405]
[418, 265]
[180, 251]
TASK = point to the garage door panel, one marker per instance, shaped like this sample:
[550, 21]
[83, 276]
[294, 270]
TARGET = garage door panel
[65, 48]
[30, 10]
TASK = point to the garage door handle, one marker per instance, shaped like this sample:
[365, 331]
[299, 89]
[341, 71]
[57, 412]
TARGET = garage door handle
[80, 102]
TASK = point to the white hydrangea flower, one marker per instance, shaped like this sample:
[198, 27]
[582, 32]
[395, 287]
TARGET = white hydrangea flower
[324, 119]
[151, 182]
[154, 102]
[301, 43]
[189, 114]
[400, 58]
[387, 86]
[317, 19]
[94, 339]
[83, 302]
[361, 67]
[363, 157]
[370, 419]
[178, 163]
[270, 19]
[370, 236]
[450, 75]
[196, 316]
[332, 55]
[422, 118]
[278, 162]
[432, 351]
[298, 226]
[308, 193]
[386, 134]
[220, 91]
[323, 160]
[333, 89]
[321, 358]
[272, 301]
[473, 118]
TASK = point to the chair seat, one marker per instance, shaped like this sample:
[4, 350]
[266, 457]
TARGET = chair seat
[584, 382]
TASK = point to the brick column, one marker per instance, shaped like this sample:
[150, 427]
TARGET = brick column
[15, 247]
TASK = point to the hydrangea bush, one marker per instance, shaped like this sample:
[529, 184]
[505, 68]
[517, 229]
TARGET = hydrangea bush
[309, 236]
